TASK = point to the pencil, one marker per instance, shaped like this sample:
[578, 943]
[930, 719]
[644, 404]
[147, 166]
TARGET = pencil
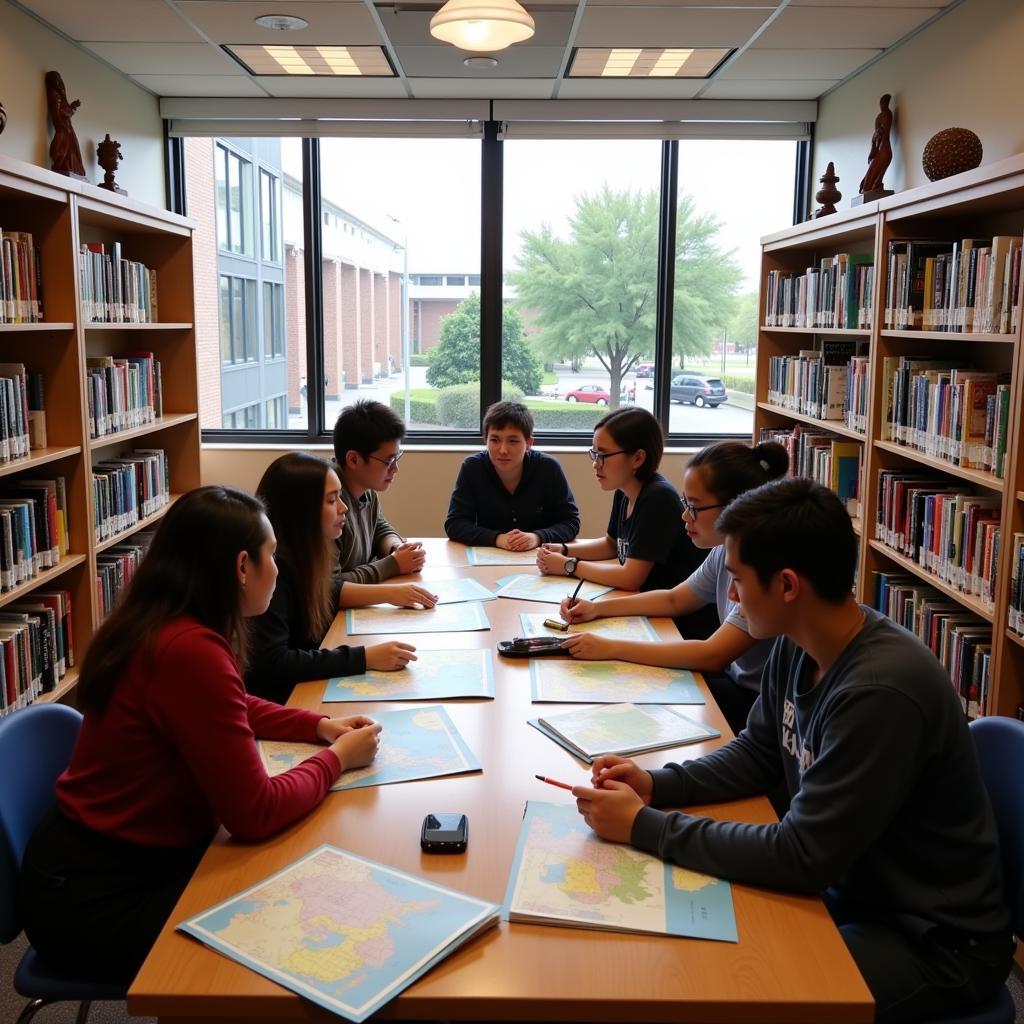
[575, 593]
[553, 782]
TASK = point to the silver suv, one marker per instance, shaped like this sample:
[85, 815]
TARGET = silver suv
[701, 391]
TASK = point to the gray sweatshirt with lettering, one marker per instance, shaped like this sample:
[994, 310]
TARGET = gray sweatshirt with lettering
[888, 812]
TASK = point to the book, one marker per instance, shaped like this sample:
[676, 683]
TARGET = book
[621, 729]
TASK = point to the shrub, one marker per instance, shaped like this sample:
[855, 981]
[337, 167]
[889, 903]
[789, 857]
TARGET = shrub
[420, 358]
[422, 405]
[459, 406]
[735, 383]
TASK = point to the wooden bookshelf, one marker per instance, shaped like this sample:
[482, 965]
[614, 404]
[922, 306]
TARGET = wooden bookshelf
[145, 523]
[831, 426]
[61, 214]
[981, 203]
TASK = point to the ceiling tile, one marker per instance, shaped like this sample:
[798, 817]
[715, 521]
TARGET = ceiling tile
[292, 85]
[167, 58]
[630, 89]
[870, 3]
[856, 27]
[199, 85]
[796, 64]
[661, 26]
[412, 28]
[775, 89]
[769, 4]
[114, 20]
[447, 62]
[496, 89]
[330, 24]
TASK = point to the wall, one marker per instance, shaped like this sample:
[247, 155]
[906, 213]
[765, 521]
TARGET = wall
[965, 70]
[418, 499]
[110, 103]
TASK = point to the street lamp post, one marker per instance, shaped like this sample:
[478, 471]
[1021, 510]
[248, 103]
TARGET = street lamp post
[405, 314]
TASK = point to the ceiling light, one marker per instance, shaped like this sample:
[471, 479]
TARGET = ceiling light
[481, 62]
[481, 25]
[281, 22]
[624, 62]
[318, 61]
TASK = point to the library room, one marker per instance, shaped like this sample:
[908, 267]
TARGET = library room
[399, 398]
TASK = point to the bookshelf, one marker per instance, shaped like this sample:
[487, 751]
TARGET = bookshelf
[62, 214]
[983, 203]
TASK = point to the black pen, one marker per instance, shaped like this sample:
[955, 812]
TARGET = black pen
[575, 593]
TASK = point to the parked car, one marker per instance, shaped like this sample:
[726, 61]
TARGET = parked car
[627, 393]
[645, 369]
[593, 393]
[701, 391]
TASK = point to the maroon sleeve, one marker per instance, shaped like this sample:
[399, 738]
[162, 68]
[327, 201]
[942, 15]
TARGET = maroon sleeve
[270, 721]
[202, 705]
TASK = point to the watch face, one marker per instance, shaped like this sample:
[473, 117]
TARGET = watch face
[570, 565]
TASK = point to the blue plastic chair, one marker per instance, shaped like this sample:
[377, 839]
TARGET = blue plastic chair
[35, 747]
[1000, 746]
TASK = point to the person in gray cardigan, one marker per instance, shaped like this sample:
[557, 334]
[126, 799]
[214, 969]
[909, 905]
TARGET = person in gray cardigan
[888, 817]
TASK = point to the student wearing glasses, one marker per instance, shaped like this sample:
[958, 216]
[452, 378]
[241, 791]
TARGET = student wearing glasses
[730, 658]
[645, 547]
[367, 449]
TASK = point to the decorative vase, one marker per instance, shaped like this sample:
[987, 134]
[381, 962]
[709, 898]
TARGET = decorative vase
[951, 151]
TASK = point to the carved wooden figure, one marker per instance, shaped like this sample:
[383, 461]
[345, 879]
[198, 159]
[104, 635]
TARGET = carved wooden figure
[108, 153]
[65, 155]
[880, 155]
[828, 195]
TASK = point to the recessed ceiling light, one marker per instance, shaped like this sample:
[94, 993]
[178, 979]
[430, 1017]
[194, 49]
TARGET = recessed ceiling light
[281, 22]
[481, 62]
[325, 61]
[658, 62]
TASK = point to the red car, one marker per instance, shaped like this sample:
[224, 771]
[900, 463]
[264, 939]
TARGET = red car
[593, 393]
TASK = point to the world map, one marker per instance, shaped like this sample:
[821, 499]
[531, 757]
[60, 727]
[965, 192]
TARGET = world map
[443, 618]
[564, 874]
[435, 675]
[344, 932]
[415, 743]
[617, 627]
[611, 682]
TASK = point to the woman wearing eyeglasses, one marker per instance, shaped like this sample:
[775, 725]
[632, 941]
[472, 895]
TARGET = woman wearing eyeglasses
[302, 495]
[730, 659]
[645, 547]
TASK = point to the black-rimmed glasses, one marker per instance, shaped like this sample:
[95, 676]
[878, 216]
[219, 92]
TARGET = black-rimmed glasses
[690, 511]
[393, 461]
[597, 458]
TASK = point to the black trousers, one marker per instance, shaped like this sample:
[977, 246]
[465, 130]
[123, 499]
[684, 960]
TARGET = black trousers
[92, 905]
[920, 977]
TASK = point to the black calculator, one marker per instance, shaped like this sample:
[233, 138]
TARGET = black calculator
[533, 647]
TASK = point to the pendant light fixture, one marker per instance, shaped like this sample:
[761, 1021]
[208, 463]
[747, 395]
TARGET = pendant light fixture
[483, 26]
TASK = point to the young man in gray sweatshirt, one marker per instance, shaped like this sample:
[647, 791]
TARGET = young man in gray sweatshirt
[888, 817]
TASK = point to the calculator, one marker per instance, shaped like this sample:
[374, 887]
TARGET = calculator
[533, 647]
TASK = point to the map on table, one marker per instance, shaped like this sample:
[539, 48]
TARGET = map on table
[443, 618]
[499, 556]
[454, 591]
[563, 874]
[344, 932]
[624, 729]
[552, 589]
[415, 743]
[611, 682]
[435, 675]
[618, 627]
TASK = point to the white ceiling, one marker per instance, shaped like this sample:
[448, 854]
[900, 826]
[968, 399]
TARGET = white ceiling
[783, 49]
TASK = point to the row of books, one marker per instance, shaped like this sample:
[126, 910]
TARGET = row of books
[33, 528]
[960, 640]
[835, 294]
[1017, 585]
[969, 285]
[947, 411]
[833, 461]
[123, 392]
[828, 383]
[127, 489]
[22, 420]
[36, 647]
[949, 531]
[21, 290]
[115, 290]
[115, 568]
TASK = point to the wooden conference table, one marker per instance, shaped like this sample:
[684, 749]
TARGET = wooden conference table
[790, 963]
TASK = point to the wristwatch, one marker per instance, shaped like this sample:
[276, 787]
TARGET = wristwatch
[570, 566]
[565, 548]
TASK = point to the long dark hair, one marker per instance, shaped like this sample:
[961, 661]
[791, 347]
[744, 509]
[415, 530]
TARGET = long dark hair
[635, 430]
[292, 488]
[729, 468]
[190, 569]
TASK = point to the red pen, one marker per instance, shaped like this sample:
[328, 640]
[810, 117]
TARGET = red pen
[553, 782]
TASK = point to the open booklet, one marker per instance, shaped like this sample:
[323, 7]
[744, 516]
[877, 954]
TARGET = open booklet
[621, 729]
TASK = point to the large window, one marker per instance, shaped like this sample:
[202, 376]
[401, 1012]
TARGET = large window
[391, 290]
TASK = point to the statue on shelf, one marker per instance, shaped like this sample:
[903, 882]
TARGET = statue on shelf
[65, 155]
[872, 185]
[108, 153]
[828, 195]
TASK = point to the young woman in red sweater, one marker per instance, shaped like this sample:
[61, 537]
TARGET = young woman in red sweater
[167, 752]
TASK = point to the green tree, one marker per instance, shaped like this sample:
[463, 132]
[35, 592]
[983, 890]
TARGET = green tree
[595, 293]
[743, 324]
[456, 360]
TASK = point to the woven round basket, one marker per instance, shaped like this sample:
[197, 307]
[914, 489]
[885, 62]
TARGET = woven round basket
[951, 151]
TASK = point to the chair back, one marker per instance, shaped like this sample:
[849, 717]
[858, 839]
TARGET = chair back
[35, 747]
[1000, 746]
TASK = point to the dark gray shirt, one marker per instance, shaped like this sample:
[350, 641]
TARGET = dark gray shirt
[888, 809]
[363, 539]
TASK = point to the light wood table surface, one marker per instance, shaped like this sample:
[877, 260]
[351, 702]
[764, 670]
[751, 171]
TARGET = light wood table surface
[790, 964]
